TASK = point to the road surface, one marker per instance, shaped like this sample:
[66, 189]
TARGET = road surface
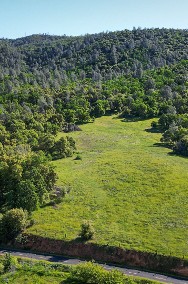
[72, 261]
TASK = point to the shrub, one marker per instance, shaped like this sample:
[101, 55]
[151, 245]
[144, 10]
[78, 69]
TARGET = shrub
[87, 231]
[95, 274]
[87, 273]
[9, 263]
[13, 222]
[78, 157]
[1, 268]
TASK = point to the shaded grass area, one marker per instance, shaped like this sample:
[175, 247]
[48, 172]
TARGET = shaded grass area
[133, 191]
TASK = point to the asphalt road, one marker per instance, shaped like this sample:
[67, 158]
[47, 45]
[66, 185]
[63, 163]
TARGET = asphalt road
[72, 261]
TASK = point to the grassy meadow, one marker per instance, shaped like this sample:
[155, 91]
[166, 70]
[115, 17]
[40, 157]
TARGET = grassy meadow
[133, 191]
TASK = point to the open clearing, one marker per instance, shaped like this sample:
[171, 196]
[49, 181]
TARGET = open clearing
[133, 191]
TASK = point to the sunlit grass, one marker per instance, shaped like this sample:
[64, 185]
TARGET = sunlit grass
[134, 192]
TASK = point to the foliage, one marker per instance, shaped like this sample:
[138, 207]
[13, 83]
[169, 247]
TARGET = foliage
[41, 272]
[87, 231]
[78, 157]
[31, 271]
[8, 262]
[25, 180]
[92, 273]
[87, 273]
[26, 196]
[50, 61]
[175, 132]
[13, 222]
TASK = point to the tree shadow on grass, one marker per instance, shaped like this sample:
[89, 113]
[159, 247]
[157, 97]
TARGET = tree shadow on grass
[69, 280]
[128, 118]
[132, 119]
[177, 155]
[50, 203]
[160, 144]
[164, 145]
[80, 240]
[171, 153]
[153, 130]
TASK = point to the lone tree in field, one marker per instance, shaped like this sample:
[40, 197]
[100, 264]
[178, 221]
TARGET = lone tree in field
[87, 231]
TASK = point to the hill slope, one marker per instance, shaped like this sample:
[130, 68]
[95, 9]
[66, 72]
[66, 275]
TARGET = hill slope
[133, 191]
[48, 60]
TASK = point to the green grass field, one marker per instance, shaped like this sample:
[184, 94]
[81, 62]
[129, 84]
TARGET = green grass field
[134, 192]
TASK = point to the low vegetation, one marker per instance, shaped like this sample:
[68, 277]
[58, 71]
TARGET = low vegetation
[87, 231]
[18, 271]
[12, 223]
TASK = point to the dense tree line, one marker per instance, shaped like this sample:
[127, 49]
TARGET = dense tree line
[49, 61]
[174, 128]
